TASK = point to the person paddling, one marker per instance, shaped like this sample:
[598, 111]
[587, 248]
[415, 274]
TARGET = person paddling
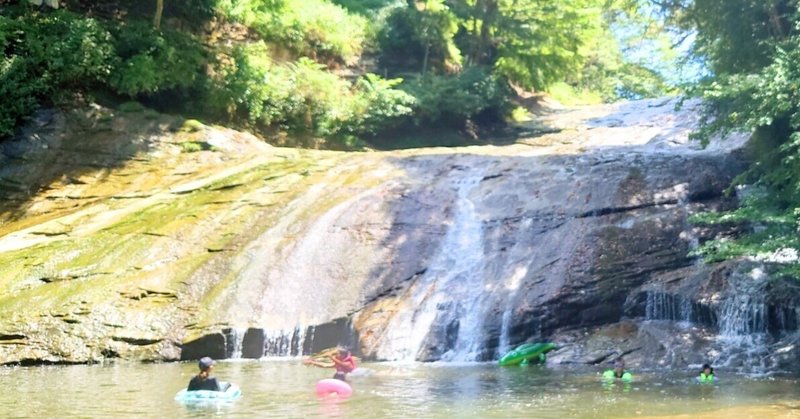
[707, 375]
[342, 360]
[344, 363]
[203, 380]
[618, 373]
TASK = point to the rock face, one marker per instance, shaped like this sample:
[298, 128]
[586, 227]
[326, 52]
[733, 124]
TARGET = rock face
[240, 249]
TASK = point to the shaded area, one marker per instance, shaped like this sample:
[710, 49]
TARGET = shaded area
[58, 154]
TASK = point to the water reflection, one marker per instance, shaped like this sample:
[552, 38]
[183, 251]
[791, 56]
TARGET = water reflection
[285, 389]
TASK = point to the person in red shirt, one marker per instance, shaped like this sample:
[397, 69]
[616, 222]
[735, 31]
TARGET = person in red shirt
[344, 363]
[342, 360]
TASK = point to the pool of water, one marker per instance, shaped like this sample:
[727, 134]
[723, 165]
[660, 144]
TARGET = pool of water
[285, 389]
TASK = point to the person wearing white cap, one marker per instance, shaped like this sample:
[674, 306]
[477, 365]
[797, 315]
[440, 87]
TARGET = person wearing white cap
[204, 380]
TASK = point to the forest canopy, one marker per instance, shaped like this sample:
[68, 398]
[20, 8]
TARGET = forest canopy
[752, 49]
[329, 73]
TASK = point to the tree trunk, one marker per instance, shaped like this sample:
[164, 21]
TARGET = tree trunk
[425, 58]
[777, 22]
[488, 20]
[159, 11]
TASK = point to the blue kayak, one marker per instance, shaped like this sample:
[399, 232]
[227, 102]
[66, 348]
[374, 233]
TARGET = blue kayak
[232, 393]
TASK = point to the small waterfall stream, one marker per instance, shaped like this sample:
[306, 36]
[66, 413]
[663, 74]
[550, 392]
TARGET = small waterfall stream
[744, 311]
[284, 342]
[661, 305]
[236, 337]
[511, 285]
[447, 297]
[743, 322]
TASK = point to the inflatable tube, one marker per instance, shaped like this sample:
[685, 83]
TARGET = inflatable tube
[333, 387]
[525, 352]
[230, 394]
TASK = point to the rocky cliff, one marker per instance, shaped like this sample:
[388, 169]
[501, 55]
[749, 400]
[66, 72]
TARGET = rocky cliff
[136, 235]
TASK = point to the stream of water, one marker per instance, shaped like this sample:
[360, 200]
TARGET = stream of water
[284, 389]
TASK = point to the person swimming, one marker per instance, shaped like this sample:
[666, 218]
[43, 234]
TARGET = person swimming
[706, 375]
[344, 363]
[342, 360]
[618, 373]
[203, 380]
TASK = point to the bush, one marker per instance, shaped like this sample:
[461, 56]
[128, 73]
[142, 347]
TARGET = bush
[45, 53]
[304, 99]
[150, 61]
[452, 100]
[409, 36]
[314, 28]
[378, 106]
[364, 6]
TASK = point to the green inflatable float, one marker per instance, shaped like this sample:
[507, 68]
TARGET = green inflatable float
[525, 353]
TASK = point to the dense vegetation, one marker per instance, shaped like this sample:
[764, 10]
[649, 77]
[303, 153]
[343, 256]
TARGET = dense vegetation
[332, 73]
[752, 48]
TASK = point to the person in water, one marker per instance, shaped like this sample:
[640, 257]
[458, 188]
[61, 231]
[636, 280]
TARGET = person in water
[618, 373]
[344, 363]
[342, 360]
[203, 380]
[706, 375]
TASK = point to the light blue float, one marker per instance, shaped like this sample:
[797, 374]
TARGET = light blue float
[232, 393]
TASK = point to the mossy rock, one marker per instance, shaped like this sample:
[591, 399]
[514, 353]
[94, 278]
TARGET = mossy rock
[195, 146]
[192, 125]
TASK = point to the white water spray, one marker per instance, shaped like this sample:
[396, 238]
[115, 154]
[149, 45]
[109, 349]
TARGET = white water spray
[448, 293]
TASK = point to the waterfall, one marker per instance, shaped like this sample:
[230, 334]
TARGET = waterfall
[445, 301]
[744, 311]
[664, 306]
[236, 337]
[743, 322]
[284, 342]
[661, 305]
[511, 285]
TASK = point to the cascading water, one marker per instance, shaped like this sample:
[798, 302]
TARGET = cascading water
[511, 285]
[235, 338]
[663, 306]
[445, 300]
[744, 312]
[284, 342]
[743, 321]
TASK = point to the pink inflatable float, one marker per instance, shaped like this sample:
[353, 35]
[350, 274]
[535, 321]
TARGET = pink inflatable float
[333, 387]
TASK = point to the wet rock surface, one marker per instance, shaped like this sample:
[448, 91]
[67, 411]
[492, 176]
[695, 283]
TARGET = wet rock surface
[134, 247]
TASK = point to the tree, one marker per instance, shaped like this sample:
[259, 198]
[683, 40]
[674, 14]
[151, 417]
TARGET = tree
[753, 48]
[419, 37]
[159, 12]
[533, 43]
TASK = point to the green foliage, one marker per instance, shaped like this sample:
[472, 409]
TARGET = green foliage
[543, 41]
[192, 125]
[304, 99]
[282, 74]
[610, 75]
[314, 28]
[569, 95]
[756, 91]
[196, 146]
[375, 106]
[150, 61]
[420, 40]
[365, 6]
[734, 35]
[454, 100]
[131, 107]
[44, 53]
[534, 44]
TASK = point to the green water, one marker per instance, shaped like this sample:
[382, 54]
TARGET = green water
[284, 389]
